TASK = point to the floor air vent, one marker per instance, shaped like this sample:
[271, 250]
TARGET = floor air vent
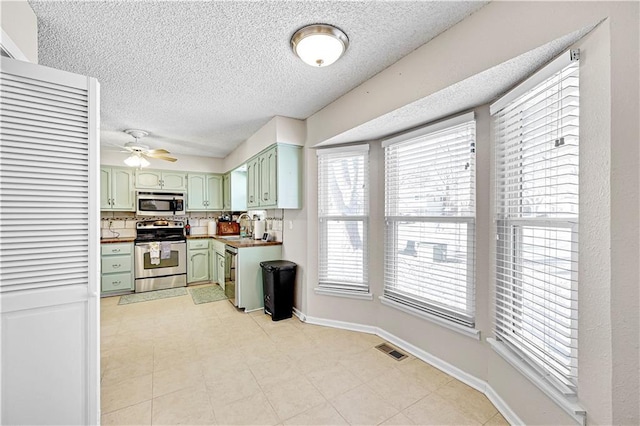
[391, 351]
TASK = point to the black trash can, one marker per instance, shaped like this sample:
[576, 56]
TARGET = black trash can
[278, 280]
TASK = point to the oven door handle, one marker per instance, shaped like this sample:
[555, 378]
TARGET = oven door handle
[173, 243]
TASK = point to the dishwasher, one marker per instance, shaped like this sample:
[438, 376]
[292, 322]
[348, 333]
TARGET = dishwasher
[230, 276]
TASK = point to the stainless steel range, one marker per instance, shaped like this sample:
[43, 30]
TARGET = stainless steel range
[160, 255]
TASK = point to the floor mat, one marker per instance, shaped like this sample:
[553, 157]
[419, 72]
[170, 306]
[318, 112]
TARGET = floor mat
[151, 295]
[207, 294]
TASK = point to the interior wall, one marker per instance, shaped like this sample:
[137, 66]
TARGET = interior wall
[20, 23]
[277, 130]
[608, 352]
[188, 163]
[625, 218]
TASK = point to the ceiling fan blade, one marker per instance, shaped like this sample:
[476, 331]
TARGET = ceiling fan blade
[155, 154]
[157, 151]
[162, 157]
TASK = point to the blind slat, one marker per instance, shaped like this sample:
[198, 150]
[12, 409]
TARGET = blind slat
[343, 209]
[430, 216]
[537, 190]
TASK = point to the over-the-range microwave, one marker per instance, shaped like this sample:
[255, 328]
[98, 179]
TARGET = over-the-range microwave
[160, 203]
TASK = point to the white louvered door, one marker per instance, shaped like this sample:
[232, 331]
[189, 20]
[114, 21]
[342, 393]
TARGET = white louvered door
[49, 236]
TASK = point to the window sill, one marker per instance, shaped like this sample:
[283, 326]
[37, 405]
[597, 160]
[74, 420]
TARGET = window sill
[466, 331]
[343, 293]
[563, 401]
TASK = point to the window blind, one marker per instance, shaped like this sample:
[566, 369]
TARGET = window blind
[430, 219]
[536, 260]
[343, 216]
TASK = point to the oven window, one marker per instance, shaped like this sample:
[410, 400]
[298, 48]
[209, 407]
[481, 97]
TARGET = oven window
[172, 262]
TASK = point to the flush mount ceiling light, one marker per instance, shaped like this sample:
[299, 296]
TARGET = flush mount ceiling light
[319, 45]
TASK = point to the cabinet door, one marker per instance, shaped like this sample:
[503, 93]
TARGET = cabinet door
[214, 192]
[197, 191]
[253, 183]
[238, 190]
[213, 266]
[122, 197]
[174, 181]
[269, 178]
[226, 191]
[220, 266]
[105, 188]
[198, 266]
[148, 179]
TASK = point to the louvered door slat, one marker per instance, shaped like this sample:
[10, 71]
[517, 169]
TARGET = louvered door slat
[61, 88]
[42, 94]
[44, 193]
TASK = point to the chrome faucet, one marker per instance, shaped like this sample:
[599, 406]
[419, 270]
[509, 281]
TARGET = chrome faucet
[247, 232]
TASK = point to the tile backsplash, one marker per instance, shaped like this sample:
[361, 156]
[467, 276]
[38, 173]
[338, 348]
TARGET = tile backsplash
[123, 224]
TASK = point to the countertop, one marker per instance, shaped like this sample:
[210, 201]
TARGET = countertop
[116, 240]
[241, 243]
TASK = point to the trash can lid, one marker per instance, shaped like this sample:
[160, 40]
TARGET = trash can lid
[278, 265]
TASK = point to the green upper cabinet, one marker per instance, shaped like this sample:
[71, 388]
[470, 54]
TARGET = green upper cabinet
[234, 186]
[226, 191]
[274, 178]
[253, 183]
[158, 179]
[116, 189]
[268, 178]
[204, 192]
[214, 192]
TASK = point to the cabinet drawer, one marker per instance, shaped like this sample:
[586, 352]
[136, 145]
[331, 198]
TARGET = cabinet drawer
[111, 264]
[117, 248]
[114, 282]
[198, 244]
[218, 247]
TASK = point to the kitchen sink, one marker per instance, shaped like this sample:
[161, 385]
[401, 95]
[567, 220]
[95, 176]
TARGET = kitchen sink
[230, 237]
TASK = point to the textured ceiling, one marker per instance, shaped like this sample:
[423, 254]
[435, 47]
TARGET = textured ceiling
[201, 77]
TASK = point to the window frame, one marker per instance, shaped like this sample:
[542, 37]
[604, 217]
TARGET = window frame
[431, 309]
[521, 354]
[327, 286]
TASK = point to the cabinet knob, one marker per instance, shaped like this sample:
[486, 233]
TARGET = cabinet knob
[266, 196]
[115, 250]
[116, 265]
[116, 282]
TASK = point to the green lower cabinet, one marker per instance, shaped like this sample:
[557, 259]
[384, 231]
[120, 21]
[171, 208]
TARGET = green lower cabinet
[117, 268]
[198, 266]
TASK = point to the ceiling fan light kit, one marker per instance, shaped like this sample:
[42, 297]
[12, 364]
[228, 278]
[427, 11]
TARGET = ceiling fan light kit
[136, 161]
[319, 45]
[140, 152]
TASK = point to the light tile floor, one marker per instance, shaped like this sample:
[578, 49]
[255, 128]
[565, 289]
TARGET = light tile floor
[170, 362]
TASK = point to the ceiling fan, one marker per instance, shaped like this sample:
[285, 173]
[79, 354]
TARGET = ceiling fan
[140, 153]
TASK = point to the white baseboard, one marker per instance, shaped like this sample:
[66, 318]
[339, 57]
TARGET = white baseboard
[502, 406]
[464, 377]
[476, 383]
[301, 316]
[352, 326]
